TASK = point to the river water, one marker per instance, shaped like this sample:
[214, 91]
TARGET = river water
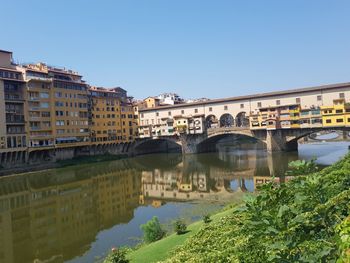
[76, 214]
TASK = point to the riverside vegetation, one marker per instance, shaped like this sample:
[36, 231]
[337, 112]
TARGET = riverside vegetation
[304, 220]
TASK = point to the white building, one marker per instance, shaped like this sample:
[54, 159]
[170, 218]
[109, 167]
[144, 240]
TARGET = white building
[170, 99]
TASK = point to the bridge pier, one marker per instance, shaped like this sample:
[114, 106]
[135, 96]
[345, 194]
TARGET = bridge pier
[276, 141]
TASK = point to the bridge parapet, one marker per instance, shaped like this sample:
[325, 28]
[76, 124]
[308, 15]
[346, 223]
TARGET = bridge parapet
[229, 130]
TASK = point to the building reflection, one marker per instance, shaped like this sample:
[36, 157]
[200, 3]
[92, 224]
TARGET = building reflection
[55, 216]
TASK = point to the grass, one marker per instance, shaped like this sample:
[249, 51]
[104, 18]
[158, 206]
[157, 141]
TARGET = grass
[160, 250]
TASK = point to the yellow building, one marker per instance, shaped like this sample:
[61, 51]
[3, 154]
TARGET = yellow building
[151, 102]
[337, 115]
[112, 116]
[105, 115]
[129, 121]
[70, 108]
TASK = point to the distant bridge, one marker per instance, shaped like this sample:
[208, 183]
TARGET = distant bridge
[275, 140]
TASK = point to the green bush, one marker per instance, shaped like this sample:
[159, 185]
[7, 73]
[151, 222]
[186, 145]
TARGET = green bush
[117, 256]
[206, 218]
[180, 226]
[152, 230]
[304, 220]
[301, 167]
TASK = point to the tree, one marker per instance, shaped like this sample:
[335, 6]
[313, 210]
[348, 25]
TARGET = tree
[152, 230]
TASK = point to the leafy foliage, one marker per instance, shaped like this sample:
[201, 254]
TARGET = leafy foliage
[117, 256]
[302, 167]
[206, 218]
[303, 220]
[180, 227]
[152, 230]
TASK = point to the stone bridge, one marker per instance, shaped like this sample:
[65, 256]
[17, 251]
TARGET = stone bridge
[275, 140]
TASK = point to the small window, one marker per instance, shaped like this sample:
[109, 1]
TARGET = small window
[225, 107]
[195, 110]
[297, 100]
[338, 111]
[157, 114]
[141, 115]
[242, 106]
[278, 102]
[341, 95]
[210, 109]
[169, 113]
[259, 104]
[319, 97]
[328, 121]
[182, 112]
[339, 120]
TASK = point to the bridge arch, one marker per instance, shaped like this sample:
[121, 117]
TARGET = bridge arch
[210, 143]
[227, 120]
[211, 121]
[159, 145]
[242, 120]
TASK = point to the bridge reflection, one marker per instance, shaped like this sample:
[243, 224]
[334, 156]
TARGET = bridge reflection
[56, 215]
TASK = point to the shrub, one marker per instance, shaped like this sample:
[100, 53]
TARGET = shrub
[152, 230]
[180, 227]
[302, 167]
[206, 218]
[117, 256]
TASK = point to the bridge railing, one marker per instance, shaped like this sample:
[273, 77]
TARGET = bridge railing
[226, 129]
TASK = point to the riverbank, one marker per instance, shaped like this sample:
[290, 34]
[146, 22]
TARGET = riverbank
[161, 249]
[60, 164]
[304, 220]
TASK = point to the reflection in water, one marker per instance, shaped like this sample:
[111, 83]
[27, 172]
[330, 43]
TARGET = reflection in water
[58, 215]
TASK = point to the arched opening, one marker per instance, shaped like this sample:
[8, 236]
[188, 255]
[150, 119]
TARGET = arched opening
[226, 120]
[157, 146]
[228, 141]
[211, 121]
[242, 120]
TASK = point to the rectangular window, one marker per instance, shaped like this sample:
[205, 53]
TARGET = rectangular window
[210, 109]
[225, 107]
[297, 100]
[328, 121]
[319, 97]
[195, 110]
[169, 113]
[157, 114]
[242, 106]
[338, 111]
[259, 104]
[182, 112]
[339, 120]
[44, 105]
[341, 95]
[278, 102]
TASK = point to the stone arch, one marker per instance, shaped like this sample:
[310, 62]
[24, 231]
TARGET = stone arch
[159, 145]
[242, 120]
[209, 144]
[211, 121]
[226, 120]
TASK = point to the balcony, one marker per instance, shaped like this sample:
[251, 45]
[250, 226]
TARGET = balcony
[14, 97]
[14, 119]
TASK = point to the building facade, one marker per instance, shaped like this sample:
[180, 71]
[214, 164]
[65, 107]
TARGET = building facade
[298, 108]
[44, 109]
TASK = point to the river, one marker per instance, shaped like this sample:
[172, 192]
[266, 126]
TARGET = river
[76, 214]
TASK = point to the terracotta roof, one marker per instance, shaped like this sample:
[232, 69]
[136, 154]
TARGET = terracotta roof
[254, 96]
[5, 51]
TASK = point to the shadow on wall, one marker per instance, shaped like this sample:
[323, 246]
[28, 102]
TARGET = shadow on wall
[157, 146]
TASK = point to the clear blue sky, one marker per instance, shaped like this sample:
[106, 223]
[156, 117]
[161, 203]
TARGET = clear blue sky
[195, 48]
